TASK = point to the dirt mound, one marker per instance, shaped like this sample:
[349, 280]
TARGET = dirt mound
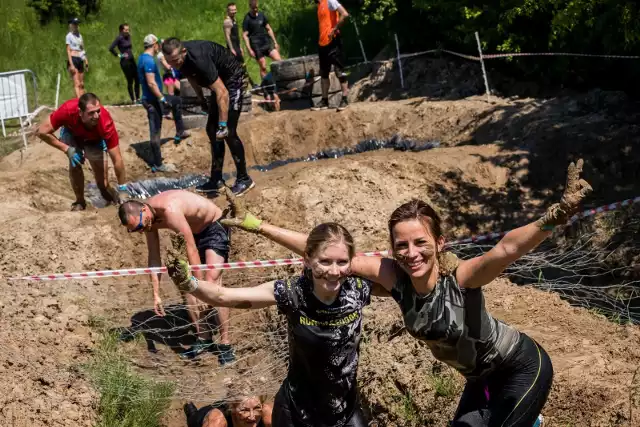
[46, 328]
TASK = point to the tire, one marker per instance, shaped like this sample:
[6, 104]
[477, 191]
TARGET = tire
[195, 121]
[306, 90]
[295, 68]
[187, 91]
[334, 99]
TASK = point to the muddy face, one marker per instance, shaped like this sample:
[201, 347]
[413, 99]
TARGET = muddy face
[415, 248]
[248, 413]
[330, 266]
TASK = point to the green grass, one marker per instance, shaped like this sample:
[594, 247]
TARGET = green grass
[126, 398]
[42, 48]
[444, 384]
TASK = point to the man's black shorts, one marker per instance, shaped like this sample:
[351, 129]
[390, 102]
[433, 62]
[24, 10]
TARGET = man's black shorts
[261, 49]
[329, 55]
[215, 236]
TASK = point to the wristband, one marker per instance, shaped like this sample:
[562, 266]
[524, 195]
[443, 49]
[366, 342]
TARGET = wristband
[122, 187]
[162, 99]
[548, 227]
[223, 124]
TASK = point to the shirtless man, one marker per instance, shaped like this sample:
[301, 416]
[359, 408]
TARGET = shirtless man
[197, 218]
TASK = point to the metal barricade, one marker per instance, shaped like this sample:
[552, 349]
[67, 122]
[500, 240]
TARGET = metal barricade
[18, 98]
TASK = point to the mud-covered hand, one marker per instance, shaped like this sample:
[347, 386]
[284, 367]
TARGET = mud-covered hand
[575, 192]
[178, 267]
[75, 158]
[158, 308]
[242, 218]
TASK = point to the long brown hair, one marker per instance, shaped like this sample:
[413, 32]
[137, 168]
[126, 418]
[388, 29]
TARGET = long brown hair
[326, 233]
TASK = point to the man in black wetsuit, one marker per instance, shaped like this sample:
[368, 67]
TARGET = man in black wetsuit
[208, 64]
[127, 61]
[258, 35]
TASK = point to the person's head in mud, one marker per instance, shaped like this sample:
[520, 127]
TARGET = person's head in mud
[253, 7]
[125, 31]
[89, 110]
[327, 258]
[232, 9]
[415, 229]
[136, 216]
[174, 52]
[246, 411]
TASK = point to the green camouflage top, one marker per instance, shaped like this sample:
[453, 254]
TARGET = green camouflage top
[455, 324]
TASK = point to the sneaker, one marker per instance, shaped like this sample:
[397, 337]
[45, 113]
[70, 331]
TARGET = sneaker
[322, 105]
[165, 167]
[344, 103]
[225, 353]
[210, 187]
[197, 349]
[178, 138]
[241, 187]
[78, 206]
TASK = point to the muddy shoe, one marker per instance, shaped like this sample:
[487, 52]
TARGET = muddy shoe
[178, 138]
[78, 206]
[196, 350]
[210, 187]
[322, 105]
[241, 187]
[225, 353]
[344, 103]
[165, 167]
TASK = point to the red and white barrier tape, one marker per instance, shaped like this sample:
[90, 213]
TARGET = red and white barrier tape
[586, 55]
[288, 261]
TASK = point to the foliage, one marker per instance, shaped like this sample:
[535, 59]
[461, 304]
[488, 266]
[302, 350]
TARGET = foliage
[61, 9]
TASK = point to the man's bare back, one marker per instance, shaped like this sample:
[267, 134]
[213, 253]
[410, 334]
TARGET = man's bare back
[170, 206]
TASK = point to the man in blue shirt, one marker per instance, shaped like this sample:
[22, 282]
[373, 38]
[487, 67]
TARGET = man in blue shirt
[154, 101]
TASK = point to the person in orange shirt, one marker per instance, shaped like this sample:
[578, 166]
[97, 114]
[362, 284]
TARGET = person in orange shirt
[331, 15]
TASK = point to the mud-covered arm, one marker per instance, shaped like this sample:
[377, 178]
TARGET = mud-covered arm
[255, 297]
[481, 270]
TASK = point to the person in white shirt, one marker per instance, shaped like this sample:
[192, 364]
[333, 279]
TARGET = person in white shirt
[77, 62]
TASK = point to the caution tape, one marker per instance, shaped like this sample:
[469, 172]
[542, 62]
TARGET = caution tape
[586, 55]
[290, 261]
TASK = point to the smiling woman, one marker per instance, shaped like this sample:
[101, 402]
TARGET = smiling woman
[323, 307]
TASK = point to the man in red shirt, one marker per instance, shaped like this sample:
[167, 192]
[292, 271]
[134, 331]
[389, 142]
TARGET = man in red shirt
[87, 131]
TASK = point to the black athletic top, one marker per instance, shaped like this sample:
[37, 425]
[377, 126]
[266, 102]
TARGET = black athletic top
[323, 349]
[123, 44]
[206, 61]
[235, 37]
[197, 420]
[256, 26]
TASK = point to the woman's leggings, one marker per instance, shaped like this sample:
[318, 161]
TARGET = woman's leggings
[130, 71]
[512, 395]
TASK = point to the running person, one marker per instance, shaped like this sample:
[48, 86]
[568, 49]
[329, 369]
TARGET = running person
[331, 15]
[323, 308]
[127, 61]
[208, 64]
[154, 102]
[77, 62]
[243, 409]
[86, 131]
[508, 374]
[207, 242]
[258, 35]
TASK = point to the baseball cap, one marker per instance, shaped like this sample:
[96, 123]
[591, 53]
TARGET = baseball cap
[74, 21]
[150, 40]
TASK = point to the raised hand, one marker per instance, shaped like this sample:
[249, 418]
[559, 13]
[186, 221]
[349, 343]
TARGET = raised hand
[575, 192]
[242, 218]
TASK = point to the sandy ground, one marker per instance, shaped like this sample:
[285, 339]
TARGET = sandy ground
[494, 170]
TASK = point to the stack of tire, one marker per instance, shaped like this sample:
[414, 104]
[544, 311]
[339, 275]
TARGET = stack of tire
[299, 79]
[192, 113]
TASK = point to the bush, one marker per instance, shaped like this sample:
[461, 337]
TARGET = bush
[126, 398]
